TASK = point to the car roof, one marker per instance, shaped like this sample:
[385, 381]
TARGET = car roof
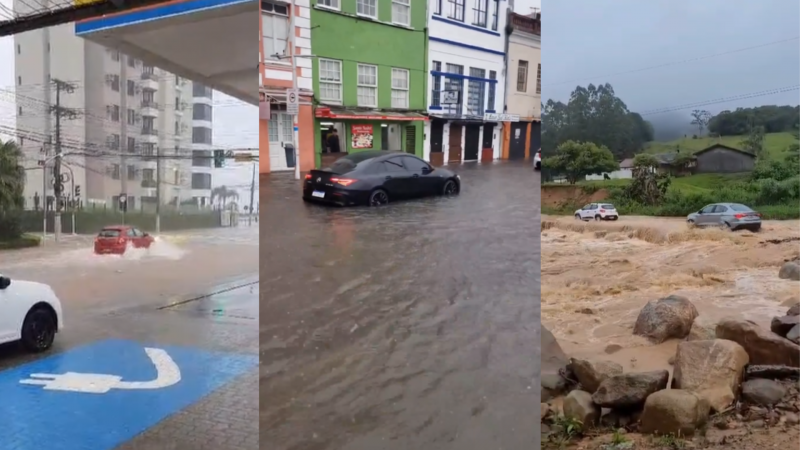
[371, 154]
[117, 227]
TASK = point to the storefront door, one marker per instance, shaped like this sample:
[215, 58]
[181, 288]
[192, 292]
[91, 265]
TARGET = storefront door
[280, 133]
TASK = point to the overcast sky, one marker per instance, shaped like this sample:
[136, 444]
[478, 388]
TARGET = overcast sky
[587, 41]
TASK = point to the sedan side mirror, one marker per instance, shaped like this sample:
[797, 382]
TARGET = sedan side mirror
[4, 282]
[426, 170]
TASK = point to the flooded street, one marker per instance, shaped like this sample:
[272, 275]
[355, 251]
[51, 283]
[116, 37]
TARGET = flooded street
[596, 277]
[410, 326]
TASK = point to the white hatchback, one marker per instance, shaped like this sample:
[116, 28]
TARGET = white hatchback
[537, 160]
[597, 211]
[30, 312]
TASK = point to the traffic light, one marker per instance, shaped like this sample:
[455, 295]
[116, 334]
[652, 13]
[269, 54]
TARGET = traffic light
[77, 190]
[219, 158]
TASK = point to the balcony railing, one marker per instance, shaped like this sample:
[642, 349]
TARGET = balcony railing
[149, 184]
[149, 131]
[149, 76]
[149, 104]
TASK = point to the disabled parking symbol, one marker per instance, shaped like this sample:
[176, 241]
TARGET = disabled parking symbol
[101, 395]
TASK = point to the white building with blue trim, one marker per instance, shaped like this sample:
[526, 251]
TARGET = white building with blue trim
[466, 60]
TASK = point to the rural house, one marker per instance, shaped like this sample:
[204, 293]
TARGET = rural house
[719, 158]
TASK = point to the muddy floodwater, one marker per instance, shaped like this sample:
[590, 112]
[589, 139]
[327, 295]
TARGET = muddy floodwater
[596, 277]
[411, 326]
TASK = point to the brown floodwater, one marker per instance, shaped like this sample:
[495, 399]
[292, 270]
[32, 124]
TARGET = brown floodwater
[615, 268]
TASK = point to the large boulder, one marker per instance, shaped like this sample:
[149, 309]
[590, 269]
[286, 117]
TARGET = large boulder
[553, 363]
[591, 373]
[578, 405]
[666, 318]
[790, 271]
[763, 392]
[794, 310]
[782, 325]
[794, 334]
[762, 346]
[674, 411]
[712, 368]
[629, 390]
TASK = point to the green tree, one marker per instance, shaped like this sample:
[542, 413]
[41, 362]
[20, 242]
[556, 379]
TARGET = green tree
[754, 142]
[575, 160]
[645, 160]
[12, 186]
[223, 194]
[700, 119]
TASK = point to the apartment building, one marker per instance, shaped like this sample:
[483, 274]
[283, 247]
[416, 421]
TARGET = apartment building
[275, 77]
[122, 122]
[524, 85]
[466, 60]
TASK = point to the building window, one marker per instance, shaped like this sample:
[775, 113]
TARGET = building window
[202, 135]
[115, 171]
[201, 181]
[114, 112]
[131, 145]
[330, 80]
[367, 85]
[539, 79]
[334, 4]
[148, 175]
[495, 13]
[202, 111]
[477, 92]
[480, 12]
[131, 172]
[115, 55]
[275, 29]
[115, 83]
[113, 142]
[131, 62]
[131, 119]
[437, 7]
[367, 8]
[456, 10]
[437, 84]
[455, 84]
[492, 90]
[19, 80]
[399, 88]
[522, 76]
[19, 110]
[401, 12]
[131, 88]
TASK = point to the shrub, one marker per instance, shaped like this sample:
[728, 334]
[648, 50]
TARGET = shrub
[24, 241]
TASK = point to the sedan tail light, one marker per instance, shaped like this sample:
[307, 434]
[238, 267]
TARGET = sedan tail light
[602, 210]
[343, 181]
[121, 241]
[308, 176]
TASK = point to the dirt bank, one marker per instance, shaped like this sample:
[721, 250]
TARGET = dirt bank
[558, 196]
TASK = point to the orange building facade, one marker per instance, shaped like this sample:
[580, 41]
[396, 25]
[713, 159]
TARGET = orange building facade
[275, 77]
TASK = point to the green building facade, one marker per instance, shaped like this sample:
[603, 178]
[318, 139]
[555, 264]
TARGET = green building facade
[369, 73]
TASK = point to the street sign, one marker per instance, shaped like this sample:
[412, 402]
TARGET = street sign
[495, 117]
[100, 380]
[65, 178]
[292, 102]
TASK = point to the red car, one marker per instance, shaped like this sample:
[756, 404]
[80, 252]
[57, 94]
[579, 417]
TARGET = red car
[116, 239]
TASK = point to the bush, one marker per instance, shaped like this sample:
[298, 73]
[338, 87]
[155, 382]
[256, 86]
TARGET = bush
[10, 225]
[24, 241]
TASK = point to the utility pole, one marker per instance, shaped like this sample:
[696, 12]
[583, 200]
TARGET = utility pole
[295, 138]
[158, 190]
[252, 196]
[58, 186]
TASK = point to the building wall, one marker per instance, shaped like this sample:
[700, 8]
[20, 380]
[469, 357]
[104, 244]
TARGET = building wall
[527, 104]
[720, 160]
[276, 76]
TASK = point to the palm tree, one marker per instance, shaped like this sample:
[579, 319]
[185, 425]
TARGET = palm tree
[223, 194]
[12, 176]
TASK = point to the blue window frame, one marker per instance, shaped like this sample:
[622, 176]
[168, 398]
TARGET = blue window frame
[480, 13]
[437, 84]
[492, 91]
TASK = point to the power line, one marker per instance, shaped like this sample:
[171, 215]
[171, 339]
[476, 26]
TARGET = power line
[675, 63]
[720, 100]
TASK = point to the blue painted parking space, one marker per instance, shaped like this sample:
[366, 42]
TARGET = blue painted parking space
[101, 395]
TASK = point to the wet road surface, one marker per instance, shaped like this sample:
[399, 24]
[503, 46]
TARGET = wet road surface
[410, 326]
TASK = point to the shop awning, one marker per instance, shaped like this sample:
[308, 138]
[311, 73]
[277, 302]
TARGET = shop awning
[324, 112]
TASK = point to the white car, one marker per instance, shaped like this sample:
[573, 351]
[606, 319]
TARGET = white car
[597, 211]
[537, 160]
[30, 312]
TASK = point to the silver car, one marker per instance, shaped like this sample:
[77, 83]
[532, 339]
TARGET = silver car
[733, 216]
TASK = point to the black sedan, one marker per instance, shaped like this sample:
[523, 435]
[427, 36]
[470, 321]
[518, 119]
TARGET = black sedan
[377, 177]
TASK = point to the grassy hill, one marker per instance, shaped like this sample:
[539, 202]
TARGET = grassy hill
[774, 143]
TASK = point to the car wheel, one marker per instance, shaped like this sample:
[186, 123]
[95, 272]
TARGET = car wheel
[450, 188]
[597, 218]
[379, 197]
[578, 217]
[38, 330]
[728, 226]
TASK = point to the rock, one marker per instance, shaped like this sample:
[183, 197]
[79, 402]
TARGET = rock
[794, 310]
[713, 369]
[762, 346]
[763, 392]
[585, 311]
[771, 372]
[612, 348]
[665, 318]
[554, 360]
[578, 405]
[545, 410]
[702, 329]
[791, 418]
[591, 373]
[790, 271]
[673, 411]
[629, 390]
[794, 334]
[671, 361]
[782, 325]
[757, 424]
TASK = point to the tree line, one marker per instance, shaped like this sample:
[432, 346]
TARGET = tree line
[12, 188]
[773, 119]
